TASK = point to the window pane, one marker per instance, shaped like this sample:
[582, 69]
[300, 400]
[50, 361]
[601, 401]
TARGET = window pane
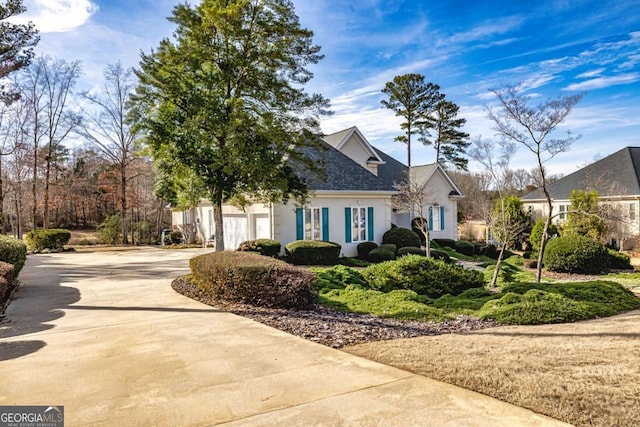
[307, 224]
[316, 224]
[355, 214]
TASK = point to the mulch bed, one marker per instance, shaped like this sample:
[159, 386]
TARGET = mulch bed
[333, 328]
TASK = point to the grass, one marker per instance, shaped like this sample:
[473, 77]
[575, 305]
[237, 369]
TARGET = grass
[582, 373]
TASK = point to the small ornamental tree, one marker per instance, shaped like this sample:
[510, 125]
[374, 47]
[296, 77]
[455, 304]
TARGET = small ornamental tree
[583, 218]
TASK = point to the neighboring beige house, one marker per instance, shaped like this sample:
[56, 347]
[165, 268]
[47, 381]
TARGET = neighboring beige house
[350, 205]
[616, 179]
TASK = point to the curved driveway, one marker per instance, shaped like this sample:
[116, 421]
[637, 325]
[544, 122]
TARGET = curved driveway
[105, 336]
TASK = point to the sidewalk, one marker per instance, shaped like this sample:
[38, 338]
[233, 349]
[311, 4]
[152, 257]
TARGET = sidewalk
[105, 336]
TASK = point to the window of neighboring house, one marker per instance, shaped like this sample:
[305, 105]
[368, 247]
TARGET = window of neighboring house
[186, 217]
[632, 211]
[530, 209]
[358, 224]
[562, 209]
[436, 218]
[312, 224]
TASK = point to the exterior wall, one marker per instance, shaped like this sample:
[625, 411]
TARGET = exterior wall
[354, 148]
[624, 229]
[284, 218]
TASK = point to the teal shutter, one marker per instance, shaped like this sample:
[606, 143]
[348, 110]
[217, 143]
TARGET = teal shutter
[325, 224]
[370, 223]
[347, 225]
[441, 218]
[430, 219]
[300, 224]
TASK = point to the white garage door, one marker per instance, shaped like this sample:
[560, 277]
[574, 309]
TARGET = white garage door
[235, 231]
[263, 228]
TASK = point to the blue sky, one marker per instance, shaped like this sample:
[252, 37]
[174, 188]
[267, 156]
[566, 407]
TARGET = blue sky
[551, 48]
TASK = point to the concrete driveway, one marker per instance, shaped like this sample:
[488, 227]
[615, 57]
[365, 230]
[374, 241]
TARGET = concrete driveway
[105, 336]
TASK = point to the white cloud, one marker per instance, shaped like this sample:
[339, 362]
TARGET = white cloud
[56, 16]
[589, 74]
[604, 82]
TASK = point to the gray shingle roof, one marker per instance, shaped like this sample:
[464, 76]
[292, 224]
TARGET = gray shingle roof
[341, 172]
[392, 172]
[615, 175]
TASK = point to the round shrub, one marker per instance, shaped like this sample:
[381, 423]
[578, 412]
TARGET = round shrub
[464, 247]
[411, 250]
[255, 279]
[364, 248]
[53, 238]
[384, 252]
[312, 252]
[401, 237]
[618, 260]
[425, 276]
[266, 247]
[575, 254]
[13, 251]
[441, 255]
[448, 243]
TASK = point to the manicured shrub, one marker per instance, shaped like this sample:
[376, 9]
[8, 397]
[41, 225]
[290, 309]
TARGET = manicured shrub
[464, 247]
[266, 247]
[110, 230]
[411, 250]
[441, 255]
[384, 252]
[448, 243]
[425, 276]
[312, 252]
[536, 233]
[338, 277]
[6, 281]
[13, 251]
[54, 238]
[255, 279]
[364, 248]
[490, 251]
[401, 237]
[175, 238]
[618, 260]
[575, 254]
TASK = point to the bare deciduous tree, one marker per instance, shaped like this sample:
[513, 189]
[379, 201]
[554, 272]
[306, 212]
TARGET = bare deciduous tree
[531, 126]
[107, 129]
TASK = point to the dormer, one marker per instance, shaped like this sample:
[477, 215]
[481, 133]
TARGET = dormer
[353, 144]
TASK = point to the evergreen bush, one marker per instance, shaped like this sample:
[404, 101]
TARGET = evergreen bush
[53, 238]
[13, 251]
[312, 252]
[110, 230]
[255, 279]
[364, 248]
[384, 252]
[401, 237]
[266, 247]
[575, 254]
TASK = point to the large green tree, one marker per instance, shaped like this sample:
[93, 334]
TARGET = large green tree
[583, 217]
[411, 98]
[16, 44]
[444, 134]
[225, 99]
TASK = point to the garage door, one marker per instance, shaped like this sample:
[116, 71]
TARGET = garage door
[235, 231]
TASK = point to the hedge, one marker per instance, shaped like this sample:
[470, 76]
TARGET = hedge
[53, 238]
[6, 281]
[255, 279]
[266, 247]
[364, 248]
[13, 251]
[384, 252]
[401, 237]
[312, 252]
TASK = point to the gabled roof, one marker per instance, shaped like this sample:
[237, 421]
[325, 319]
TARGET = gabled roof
[613, 176]
[424, 173]
[341, 173]
[392, 171]
[338, 139]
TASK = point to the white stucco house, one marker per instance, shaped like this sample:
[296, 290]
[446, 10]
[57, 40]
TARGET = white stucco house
[616, 179]
[351, 204]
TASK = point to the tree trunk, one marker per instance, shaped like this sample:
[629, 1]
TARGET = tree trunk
[218, 244]
[496, 273]
[123, 206]
[34, 211]
[47, 175]
[2, 219]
